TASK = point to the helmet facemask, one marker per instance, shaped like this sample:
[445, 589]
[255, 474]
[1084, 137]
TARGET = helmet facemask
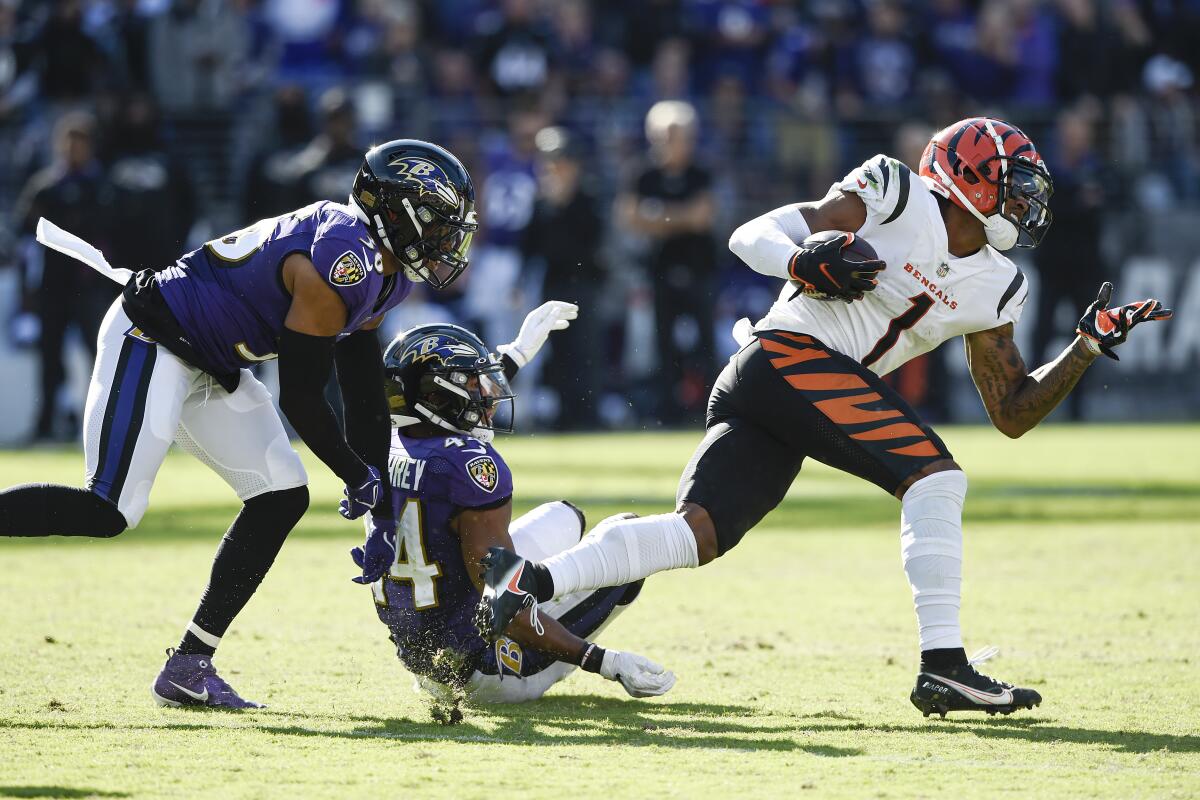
[438, 251]
[439, 254]
[475, 401]
[1031, 183]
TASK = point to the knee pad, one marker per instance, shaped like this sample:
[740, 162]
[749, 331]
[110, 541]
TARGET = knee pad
[578, 513]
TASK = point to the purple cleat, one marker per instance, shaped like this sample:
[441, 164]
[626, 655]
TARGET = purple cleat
[190, 680]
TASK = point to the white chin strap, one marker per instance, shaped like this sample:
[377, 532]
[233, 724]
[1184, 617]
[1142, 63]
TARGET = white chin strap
[410, 271]
[478, 432]
[1001, 233]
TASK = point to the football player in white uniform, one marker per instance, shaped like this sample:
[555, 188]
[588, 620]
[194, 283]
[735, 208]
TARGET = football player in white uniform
[806, 383]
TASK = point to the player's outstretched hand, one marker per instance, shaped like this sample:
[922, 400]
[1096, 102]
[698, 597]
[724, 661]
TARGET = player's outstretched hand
[1103, 328]
[361, 499]
[640, 676]
[824, 264]
[553, 315]
[376, 557]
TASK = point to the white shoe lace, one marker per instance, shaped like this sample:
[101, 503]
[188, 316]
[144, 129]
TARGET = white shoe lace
[986, 654]
[534, 620]
[983, 654]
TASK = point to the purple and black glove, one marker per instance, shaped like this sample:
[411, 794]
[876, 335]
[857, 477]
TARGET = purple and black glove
[378, 555]
[359, 500]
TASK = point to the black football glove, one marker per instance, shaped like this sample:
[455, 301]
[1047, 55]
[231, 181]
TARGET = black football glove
[825, 269]
[1103, 328]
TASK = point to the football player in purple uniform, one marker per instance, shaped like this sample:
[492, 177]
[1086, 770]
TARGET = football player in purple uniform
[453, 500]
[308, 288]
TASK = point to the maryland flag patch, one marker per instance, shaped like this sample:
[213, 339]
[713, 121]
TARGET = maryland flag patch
[347, 270]
[509, 657]
[484, 472]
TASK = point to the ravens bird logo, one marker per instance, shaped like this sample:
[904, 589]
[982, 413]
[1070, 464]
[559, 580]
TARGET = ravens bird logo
[426, 177]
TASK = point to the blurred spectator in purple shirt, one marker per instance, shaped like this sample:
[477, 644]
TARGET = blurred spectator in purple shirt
[575, 43]
[309, 33]
[729, 37]
[959, 45]
[1036, 54]
[881, 66]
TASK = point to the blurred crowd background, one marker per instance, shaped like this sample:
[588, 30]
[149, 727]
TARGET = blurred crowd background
[614, 145]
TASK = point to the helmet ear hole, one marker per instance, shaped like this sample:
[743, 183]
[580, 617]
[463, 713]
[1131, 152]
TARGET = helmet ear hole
[969, 176]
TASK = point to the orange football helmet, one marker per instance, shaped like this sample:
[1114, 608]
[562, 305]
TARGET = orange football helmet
[980, 165]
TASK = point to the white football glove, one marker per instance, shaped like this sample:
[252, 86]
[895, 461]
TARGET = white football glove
[553, 315]
[640, 676]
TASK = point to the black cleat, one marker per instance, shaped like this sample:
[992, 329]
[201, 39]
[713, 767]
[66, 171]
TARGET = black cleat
[508, 587]
[963, 688]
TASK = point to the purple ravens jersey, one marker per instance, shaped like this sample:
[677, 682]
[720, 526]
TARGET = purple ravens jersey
[228, 296]
[428, 600]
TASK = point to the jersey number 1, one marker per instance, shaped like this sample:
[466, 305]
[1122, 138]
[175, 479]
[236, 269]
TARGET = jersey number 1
[920, 305]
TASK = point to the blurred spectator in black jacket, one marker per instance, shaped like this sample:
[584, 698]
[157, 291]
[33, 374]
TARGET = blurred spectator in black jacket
[564, 239]
[325, 169]
[268, 190]
[154, 202]
[1069, 262]
[74, 193]
[516, 53]
[67, 59]
[671, 203]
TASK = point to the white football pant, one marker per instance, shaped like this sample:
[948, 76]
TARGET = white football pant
[142, 397]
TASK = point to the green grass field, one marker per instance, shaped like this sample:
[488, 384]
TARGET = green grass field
[795, 653]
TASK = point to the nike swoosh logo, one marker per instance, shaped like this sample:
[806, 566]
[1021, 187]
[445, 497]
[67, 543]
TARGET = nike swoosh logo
[516, 579]
[986, 698]
[370, 244]
[202, 697]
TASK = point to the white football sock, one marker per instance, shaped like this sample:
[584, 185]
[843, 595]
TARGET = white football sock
[931, 548]
[624, 551]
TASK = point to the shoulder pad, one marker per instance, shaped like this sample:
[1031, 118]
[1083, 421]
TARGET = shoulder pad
[477, 468]
[342, 250]
[884, 184]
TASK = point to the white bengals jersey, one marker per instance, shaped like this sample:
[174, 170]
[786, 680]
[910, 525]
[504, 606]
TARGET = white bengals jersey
[925, 295]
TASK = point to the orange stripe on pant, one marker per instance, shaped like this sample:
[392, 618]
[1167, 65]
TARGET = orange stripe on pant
[790, 356]
[845, 410]
[897, 430]
[924, 448]
[824, 381]
[795, 337]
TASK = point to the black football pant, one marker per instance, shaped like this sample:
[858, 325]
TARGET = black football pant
[786, 397]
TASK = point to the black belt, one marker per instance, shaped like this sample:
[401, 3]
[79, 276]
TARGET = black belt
[144, 305]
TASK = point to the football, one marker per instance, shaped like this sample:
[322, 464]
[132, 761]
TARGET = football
[859, 249]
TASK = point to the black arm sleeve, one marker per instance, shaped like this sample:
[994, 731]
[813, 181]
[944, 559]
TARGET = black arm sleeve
[359, 362]
[510, 367]
[304, 366]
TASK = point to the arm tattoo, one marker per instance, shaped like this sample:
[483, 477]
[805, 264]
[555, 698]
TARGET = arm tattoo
[1017, 401]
